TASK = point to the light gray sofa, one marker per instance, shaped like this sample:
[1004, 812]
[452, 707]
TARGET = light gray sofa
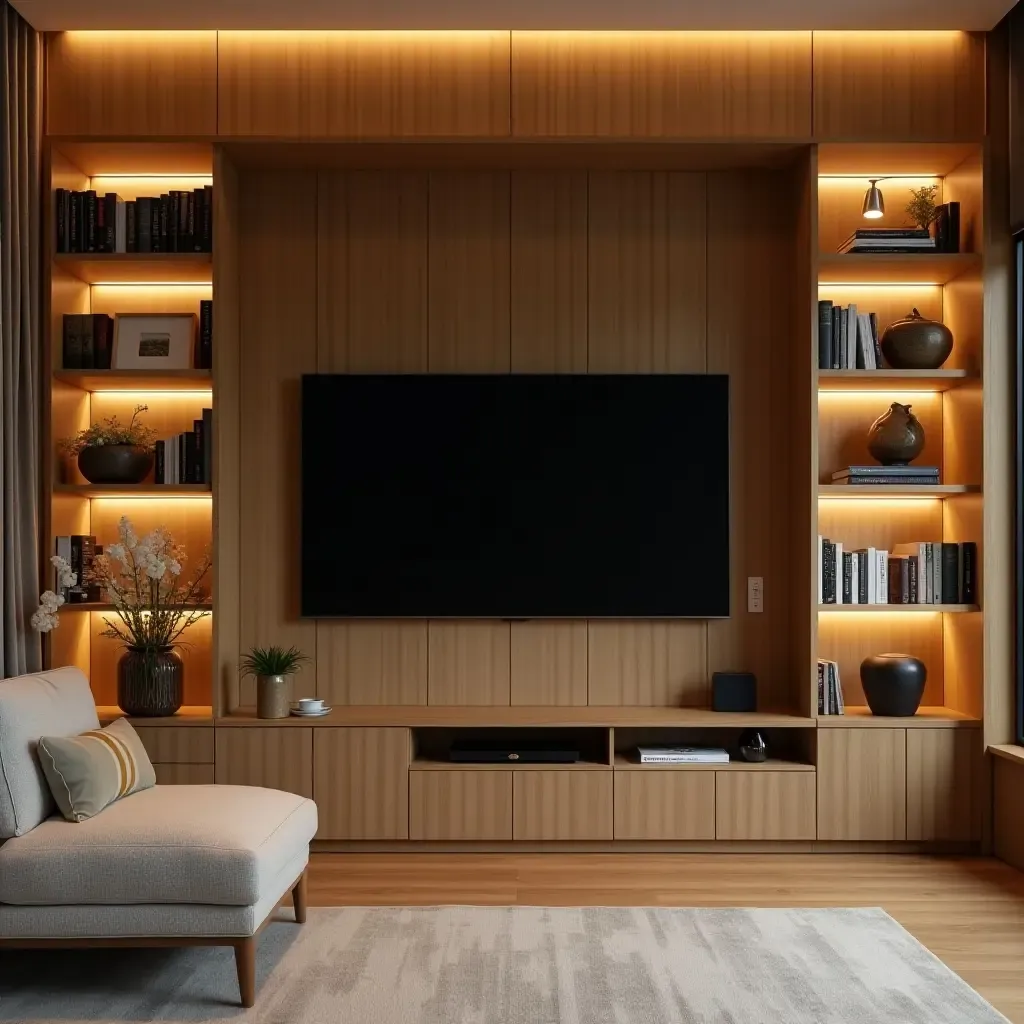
[170, 866]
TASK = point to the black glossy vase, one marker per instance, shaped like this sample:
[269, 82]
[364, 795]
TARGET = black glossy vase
[115, 463]
[753, 746]
[150, 683]
[893, 684]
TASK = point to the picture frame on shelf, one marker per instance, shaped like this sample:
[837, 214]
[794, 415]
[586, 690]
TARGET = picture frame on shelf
[154, 341]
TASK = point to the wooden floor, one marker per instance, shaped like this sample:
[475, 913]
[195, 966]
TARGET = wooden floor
[969, 912]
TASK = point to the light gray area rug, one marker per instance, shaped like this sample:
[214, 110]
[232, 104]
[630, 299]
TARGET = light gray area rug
[519, 965]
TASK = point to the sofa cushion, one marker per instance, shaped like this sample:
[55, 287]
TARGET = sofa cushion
[56, 703]
[89, 772]
[169, 844]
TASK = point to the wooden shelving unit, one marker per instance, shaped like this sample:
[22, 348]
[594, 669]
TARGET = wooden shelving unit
[134, 490]
[895, 490]
[897, 609]
[895, 380]
[773, 764]
[102, 381]
[926, 718]
[892, 268]
[137, 267]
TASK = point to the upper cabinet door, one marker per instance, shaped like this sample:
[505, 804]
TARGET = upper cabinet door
[132, 83]
[364, 84]
[899, 86]
[683, 85]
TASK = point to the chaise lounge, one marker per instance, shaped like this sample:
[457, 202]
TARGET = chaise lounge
[168, 866]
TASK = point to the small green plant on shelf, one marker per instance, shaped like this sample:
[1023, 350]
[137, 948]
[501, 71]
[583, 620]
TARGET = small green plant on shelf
[110, 432]
[921, 208]
[112, 452]
[272, 666]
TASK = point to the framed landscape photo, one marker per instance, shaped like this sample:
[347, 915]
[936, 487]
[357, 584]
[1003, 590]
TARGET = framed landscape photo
[154, 341]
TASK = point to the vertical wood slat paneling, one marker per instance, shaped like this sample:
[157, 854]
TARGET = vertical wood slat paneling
[362, 662]
[178, 744]
[184, 774]
[469, 663]
[667, 805]
[661, 84]
[364, 84]
[267, 756]
[278, 261]
[548, 663]
[549, 272]
[449, 806]
[469, 254]
[562, 805]
[132, 84]
[361, 782]
[765, 805]
[944, 784]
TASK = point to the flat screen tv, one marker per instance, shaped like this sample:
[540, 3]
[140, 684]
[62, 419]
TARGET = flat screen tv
[518, 497]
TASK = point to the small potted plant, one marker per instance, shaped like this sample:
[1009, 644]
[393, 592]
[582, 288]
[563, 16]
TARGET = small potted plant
[111, 452]
[272, 667]
[921, 208]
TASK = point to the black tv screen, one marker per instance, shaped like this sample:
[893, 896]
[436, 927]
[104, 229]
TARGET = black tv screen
[522, 496]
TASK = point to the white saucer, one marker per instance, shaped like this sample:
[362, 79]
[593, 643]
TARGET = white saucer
[325, 710]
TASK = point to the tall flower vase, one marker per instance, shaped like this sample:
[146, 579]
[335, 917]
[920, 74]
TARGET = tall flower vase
[150, 682]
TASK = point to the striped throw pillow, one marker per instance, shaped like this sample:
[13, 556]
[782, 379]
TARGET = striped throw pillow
[89, 772]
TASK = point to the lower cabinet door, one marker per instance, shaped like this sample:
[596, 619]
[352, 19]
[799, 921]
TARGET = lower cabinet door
[184, 774]
[651, 803]
[562, 804]
[276, 757]
[765, 805]
[466, 805]
[944, 769]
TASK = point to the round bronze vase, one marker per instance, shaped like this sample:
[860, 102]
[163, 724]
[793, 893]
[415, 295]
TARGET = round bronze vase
[272, 696]
[115, 463]
[916, 343]
[150, 682]
[896, 437]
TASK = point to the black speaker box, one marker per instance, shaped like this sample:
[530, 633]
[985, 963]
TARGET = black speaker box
[733, 691]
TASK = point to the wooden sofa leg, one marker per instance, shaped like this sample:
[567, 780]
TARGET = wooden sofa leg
[245, 964]
[299, 899]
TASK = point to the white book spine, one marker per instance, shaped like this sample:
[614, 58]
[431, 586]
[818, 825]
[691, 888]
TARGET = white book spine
[851, 337]
[839, 573]
[936, 573]
[883, 577]
[854, 579]
[872, 566]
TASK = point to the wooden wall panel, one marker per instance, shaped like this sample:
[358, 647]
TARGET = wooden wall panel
[1008, 811]
[131, 83]
[469, 247]
[548, 663]
[862, 784]
[899, 86]
[549, 272]
[177, 744]
[652, 804]
[469, 663]
[648, 664]
[944, 784]
[447, 806]
[562, 804]
[372, 272]
[661, 84]
[278, 326]
[647, 272]
[364, 84]
[363, 662]
[765, 805]
[184, 774]
[361, 783]
[266, 756]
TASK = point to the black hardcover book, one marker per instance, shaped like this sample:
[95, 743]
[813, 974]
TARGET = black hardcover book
[199, 213]
[207, 244]
[940, 228]
[832, 591]
[879, 362]
[75, 223]
[196, 441]
[969, 572]
[91, 241]
[174, 232]
[207, 446]
[184, 457]
[71, 342]
[144, 224]
[157, 220]
[895, 580]
[76, 594]
[109, 235]
[862, 576]
[131, 237]
[205, 354]
[950, 573]
[101, 225]
[166, 220]
[102, 340]
[60, 219]
[953, 227]
[824, 334]
[913, 575]
[188, 200]
[88, 354]
[159, 462]
[847, 577]
[837, 314]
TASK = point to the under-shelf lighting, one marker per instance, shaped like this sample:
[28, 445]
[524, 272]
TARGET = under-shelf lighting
[199, 393]
[890, 503]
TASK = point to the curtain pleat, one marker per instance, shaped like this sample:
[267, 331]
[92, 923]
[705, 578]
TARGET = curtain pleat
[21, 338]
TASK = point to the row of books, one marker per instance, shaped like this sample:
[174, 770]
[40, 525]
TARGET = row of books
[889, 240]
[186, 458]
[918, 573]
[682, 755]
[78, 550]
[859, 476]
[173, 222]
[847, 338]
[830, 689]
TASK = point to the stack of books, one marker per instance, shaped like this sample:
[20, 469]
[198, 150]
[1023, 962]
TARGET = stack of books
[87, 342]
[889, 240]
[847, 338]
[186, 458]
[682, 755]
[830, 689]
[854, 476]
[916, 573]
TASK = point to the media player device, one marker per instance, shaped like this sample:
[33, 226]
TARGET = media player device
[483, 752]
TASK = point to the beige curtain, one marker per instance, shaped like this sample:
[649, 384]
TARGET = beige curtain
[21, 344]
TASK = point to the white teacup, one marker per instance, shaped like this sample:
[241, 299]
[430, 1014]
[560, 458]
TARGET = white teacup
[311, 704]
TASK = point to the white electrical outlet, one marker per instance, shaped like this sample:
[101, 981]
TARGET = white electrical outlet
[755, 593]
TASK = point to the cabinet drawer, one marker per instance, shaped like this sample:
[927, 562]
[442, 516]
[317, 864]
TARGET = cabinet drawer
[453, 805]
[184, 774]
[765, 805]
[655, 804]
[562, 804]
[177, 744]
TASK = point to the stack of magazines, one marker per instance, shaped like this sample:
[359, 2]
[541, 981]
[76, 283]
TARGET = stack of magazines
[889, 240]
[682, 755]
[854, 475]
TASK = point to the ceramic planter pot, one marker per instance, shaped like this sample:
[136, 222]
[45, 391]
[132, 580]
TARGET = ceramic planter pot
[115, 463]
[916, 343]
[753, 746]
[896, 437]
[150, 682]
[272, 696]
[893, 684]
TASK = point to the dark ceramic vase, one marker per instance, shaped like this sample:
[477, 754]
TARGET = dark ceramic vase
[896, 437]
[753, 746]
[150, 682]
[115, 463]
[916, 343]
[893, 684]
